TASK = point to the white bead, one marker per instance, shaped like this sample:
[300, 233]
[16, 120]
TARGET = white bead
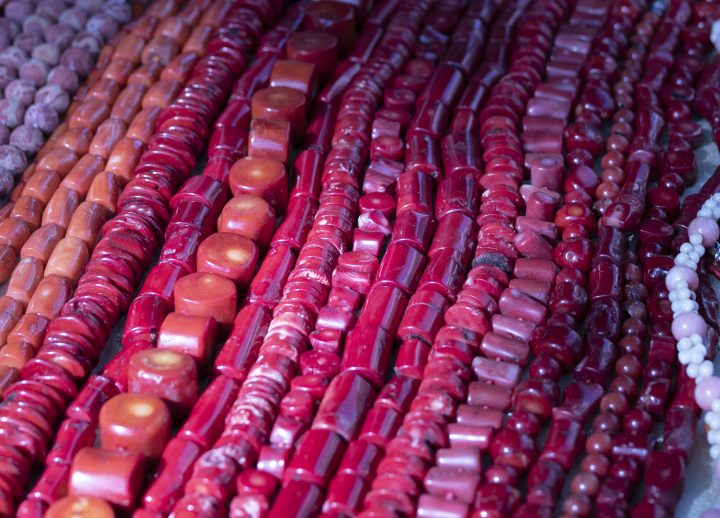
[684, 357]
[716, 197]
[715, 406]
[699, 249]
[681, 258]
[713, 436]
[694, 257]
[696, 339]
[710, 204]
[715, 451]
[697, 354]
[681, 285]
[716, 213]
[684, 344]
[696, 307]
[693, 370]
[707, 368]
[686, 248]
[673, 296]
[691, 264]
[696, 239]
[713, 420]
[677, 306]
[687, 305]
[684, 293]
[704, 213]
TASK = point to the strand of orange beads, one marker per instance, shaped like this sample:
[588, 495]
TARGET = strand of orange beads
[103, 293]
[82, 175]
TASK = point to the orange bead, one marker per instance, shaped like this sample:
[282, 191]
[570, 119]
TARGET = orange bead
[118, 70]
[10, 313]
[294, 74]
[180, 68]
[270, 138]
[29, 210]
[105, 191]
[142, 126]
[83, 173]
[249, 216]
[80, 507]
[90, 113]
[129, 49]
[86, 223]
[16, 354]
[173, 27]
[106, 137]
[61, 160]
[124, 159]
[230, 255]
[160, 49]
[68, 259]
[14, 233]
[76, 139]
[146, 75]
[42, 186]
[30, 328]
[137, 423]
[263, 177]
[162, 93]
[105, 90]
[24, 279]
[127, 104]
[7, 262]
[61, 207]
[206, 295]
[198, 40]
[51, 294]
[42, 242]
[192, 335]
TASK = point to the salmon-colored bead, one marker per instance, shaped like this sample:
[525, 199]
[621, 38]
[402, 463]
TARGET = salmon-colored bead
[10, 313]
[127, 104]
[215, 13]
[59, 131]
[8, 376]
[42, 242]
[192, 335]
[142, 126]
[180, 68]
[80, 507]
[206, 295]
[24, 279]
[198, 40]
[16, 354]
[90, 113]
[51, 294]
[137, 423]
[146, 75]
[68, 259]
[86, 223]
[294, 74]
[145, 26]
[76, 139]
[42, 186]
[82, 174]
[162, 93]
[263, 177]
[281, 103]
[14, 233]
[105, 191]
[270, 138]
[105, 90]
[230, 255]
[160, 49]
[61, 207]
[130, 49]
[47, 148]
[18, 190]
[117, 476]
[169, 375]
[7, 262]
[163, 8]
[107, 135]
[29, 210]
[173, 27]
[124, 158]
[30, 328]
[118, 70]
[249, 216]
[61, 160]
[29, 171]
[190, 15]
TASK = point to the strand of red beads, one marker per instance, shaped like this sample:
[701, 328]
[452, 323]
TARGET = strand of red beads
[50, 380]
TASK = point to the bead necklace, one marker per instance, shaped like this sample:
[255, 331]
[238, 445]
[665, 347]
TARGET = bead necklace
[688, 326]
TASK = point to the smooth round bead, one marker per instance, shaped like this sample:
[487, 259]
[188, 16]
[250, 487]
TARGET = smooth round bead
[686, 324]
[707, 391]
[681, 272]
[707, 228]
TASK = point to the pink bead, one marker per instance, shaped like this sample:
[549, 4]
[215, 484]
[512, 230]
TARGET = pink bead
[686, 324]
[707, 391]
[681, 272]
[707, 228]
